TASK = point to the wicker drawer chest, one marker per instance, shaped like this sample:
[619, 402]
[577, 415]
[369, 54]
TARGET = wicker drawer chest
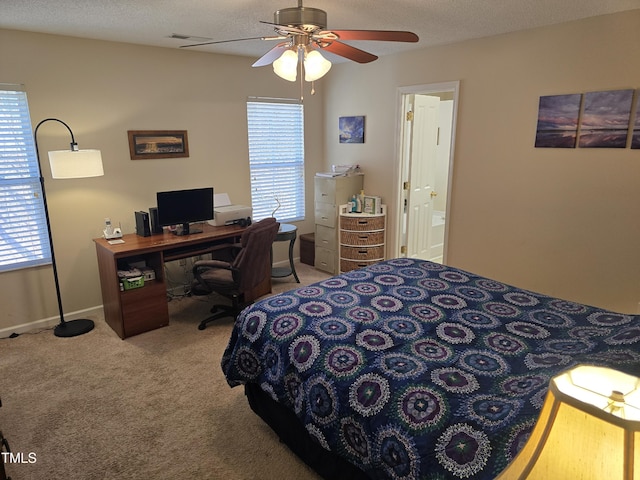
[362, 238]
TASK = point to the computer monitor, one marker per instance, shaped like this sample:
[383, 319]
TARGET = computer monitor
[181, 207]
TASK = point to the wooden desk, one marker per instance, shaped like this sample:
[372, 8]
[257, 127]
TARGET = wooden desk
[139, 310]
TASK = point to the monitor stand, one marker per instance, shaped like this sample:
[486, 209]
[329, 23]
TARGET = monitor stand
[185, 229]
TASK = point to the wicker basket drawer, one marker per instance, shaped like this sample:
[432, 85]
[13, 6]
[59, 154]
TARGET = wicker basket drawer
[348, 265]
[362, 253]
[361, 238]
[360, 223]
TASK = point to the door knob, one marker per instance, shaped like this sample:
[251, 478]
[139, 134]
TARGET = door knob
[433, 194]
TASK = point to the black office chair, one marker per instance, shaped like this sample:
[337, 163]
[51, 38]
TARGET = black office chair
[239, 278]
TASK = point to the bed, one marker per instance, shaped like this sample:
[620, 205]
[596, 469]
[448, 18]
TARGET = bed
[409, 369]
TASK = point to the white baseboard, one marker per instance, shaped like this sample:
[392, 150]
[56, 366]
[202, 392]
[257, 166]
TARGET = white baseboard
[53, 321]
[49, 322]
[285, 263]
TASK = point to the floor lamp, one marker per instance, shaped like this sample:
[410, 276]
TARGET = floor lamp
[72, 163]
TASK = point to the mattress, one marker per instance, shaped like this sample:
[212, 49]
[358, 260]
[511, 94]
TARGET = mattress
[410, 369]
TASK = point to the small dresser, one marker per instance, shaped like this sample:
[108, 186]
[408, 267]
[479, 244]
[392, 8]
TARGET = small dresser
[362, 238]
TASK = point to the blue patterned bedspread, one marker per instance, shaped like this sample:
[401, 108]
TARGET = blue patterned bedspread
[411, 369]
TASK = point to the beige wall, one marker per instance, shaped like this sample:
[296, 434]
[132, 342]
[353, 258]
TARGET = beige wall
[564, 222]
[103, 89]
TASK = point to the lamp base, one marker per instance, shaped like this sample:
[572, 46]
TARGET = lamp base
[74, 328]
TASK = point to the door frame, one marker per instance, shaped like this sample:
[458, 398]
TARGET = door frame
[402, 92]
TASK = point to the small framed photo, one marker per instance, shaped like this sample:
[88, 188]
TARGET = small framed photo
[150, 144]
[372, 205]
[351, 129]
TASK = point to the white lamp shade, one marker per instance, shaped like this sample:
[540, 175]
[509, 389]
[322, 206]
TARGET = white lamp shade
[76, 164]
[583, 432]
[315, 66]
[287, 65]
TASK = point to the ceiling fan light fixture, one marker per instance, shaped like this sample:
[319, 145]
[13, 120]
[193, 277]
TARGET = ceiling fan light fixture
[286, 66]
[315, 66]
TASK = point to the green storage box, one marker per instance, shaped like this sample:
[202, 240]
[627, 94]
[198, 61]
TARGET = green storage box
[131, 283]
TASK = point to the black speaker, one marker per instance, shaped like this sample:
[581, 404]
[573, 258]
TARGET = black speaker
[155, 221]
[142, 224]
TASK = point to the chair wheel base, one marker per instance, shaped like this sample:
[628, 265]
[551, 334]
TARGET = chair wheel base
[221, 311]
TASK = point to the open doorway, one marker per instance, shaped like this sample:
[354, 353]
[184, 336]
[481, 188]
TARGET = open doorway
[427, 133]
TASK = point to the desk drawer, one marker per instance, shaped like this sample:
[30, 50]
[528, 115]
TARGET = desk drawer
[145, 308]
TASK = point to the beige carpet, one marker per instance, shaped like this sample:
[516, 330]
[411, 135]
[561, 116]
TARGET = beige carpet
[154, 406]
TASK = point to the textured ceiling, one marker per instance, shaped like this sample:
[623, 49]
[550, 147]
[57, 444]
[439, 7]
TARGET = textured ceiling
[152, 22]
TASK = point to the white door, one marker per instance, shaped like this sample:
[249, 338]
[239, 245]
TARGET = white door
[422, 133]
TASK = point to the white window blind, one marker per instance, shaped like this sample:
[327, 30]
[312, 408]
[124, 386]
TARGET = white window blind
[24, 240]
[276, 159]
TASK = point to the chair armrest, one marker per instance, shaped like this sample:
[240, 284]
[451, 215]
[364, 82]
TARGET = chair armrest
[201, 265]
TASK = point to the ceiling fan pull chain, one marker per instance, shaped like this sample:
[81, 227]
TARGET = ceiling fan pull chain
[301, 84]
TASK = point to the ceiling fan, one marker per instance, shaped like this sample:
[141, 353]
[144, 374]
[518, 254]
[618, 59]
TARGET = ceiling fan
[303, 35]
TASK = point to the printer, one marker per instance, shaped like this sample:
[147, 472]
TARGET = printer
[225, 213]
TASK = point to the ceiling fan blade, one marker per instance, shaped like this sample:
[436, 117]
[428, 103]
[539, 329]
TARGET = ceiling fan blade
[228, 41]
[382, 35]
[347, 51]
[271, 55]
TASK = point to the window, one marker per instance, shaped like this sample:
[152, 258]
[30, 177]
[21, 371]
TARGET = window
[276, 159]
[24, 238]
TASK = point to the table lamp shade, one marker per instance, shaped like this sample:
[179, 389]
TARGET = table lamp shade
[75, 164]
[588, 429]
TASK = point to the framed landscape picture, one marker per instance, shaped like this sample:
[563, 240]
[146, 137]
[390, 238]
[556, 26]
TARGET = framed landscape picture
[150, 144]
[635, 133]
[605, 120]
[558, 121]
[351, 129]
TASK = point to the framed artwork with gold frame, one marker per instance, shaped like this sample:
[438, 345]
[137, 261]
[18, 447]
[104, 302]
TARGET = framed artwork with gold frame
[150, 144]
